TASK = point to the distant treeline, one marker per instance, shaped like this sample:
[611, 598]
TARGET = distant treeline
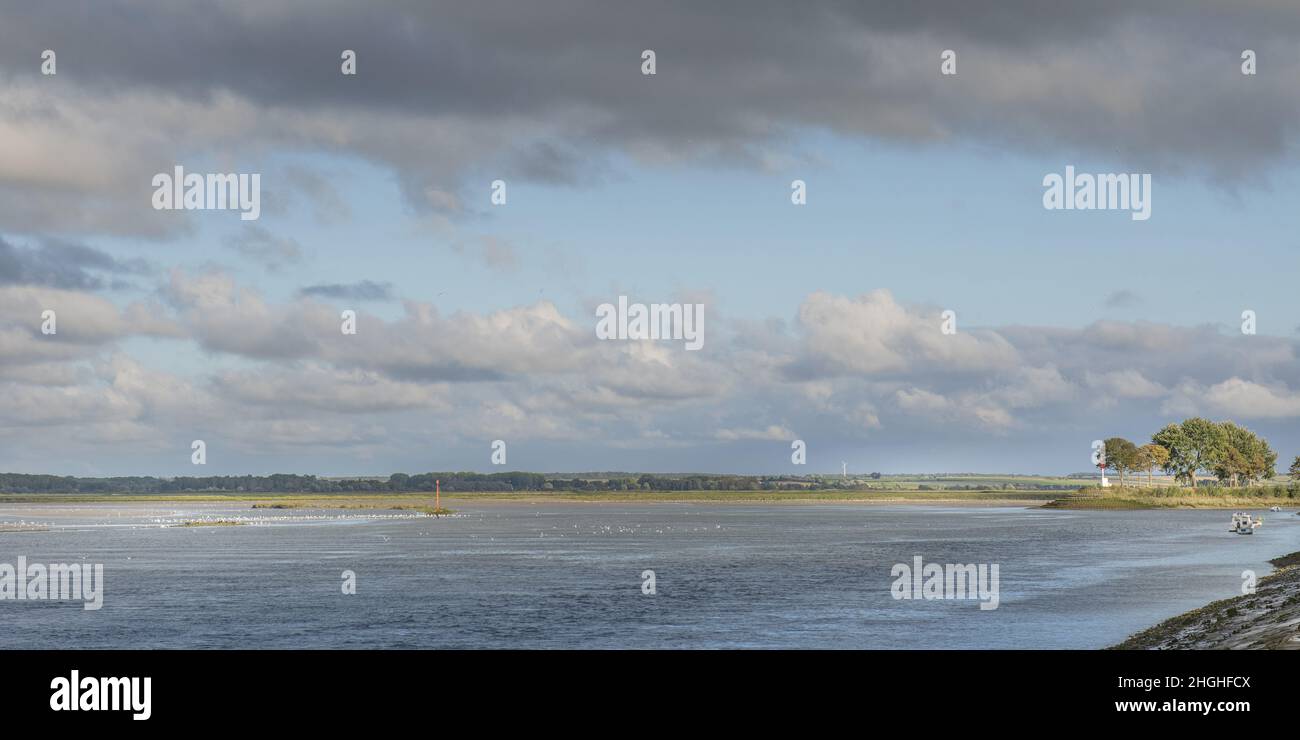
[397, 482]
[501, 482]
[277, 483]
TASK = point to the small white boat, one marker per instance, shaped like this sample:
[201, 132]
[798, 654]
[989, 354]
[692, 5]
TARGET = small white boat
[1244, 523]
[1275, 508]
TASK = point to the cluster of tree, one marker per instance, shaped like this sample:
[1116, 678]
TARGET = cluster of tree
[512, 481]
[21, 483]
[698, 483]
[397, 482]
[594, 484]
[1233, 454]
[278, 483]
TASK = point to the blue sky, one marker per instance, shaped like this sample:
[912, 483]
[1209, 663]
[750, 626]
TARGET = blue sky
[821, 320]
[944, 225]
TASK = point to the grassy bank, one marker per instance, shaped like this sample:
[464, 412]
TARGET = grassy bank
[1206, 497]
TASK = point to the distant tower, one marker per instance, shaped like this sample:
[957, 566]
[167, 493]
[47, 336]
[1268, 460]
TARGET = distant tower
[844, 468]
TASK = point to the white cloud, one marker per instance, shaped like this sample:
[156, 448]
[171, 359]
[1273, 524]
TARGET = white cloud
[875, 335]
[1247, 399]
[1124, 384]
[969, 410]
[846, 369]
[771, 432]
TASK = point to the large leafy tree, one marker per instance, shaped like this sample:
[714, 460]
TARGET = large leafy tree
[1295, 470]
[1232, 467]
[1261, 459]
[1152, 456]
[1122, 455]
[1246, 456]
[1195, 445]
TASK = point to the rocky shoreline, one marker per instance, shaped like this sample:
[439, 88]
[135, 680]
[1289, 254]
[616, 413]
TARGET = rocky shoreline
[1268, 619]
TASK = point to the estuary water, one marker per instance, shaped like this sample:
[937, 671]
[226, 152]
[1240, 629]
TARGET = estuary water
[561, 575]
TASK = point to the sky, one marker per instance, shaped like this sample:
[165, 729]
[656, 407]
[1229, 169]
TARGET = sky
[476, 321]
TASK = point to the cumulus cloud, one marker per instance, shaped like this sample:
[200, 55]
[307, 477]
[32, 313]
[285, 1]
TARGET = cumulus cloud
[556, 100]
[223, 317]
[773, 432]
[284, 374]
[969, 410]
[82, 322]
[1123, 384]
[319, 387]
[1239, 398]
[874, 334]
[120, 390]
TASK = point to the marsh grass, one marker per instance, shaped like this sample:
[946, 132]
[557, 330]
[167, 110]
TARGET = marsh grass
[1204, 497]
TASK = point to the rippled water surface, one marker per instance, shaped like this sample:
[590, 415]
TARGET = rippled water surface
[569, 575]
